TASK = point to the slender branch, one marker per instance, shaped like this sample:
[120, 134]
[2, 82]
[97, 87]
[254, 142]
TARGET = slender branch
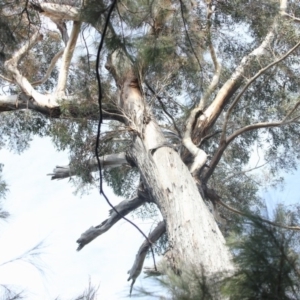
[297, 20]
[252, 127]
[216, 199]
[66, 60]
[6, 79]
[215, 79]
[250, 81]
[224, 144]
[226, 179]
[122, 209]
[187, 33]
[50, 69]
[297, 228]
[291, 112]
[170, 116]
[154, 236]
[211, 114]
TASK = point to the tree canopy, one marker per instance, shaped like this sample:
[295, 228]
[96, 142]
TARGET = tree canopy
[199, 100]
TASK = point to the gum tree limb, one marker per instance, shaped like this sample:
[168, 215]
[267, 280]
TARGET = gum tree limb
[136, 269]
[123, 208]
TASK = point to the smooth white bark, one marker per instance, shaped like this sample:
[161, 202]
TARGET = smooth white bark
[194, 236]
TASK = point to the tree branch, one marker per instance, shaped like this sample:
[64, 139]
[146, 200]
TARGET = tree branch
[57, 11]
[44, 101]
[50, 68]
[215, 79]
[6, 79]
[216, 199]
[232, 84]
[123, 208]
[107, 162]
[226, 179]
[136, 269]
[199, 155]
[250, 81]
[224, 144]
[66, 60]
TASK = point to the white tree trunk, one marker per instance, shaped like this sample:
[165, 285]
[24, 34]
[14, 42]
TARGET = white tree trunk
[194, 236]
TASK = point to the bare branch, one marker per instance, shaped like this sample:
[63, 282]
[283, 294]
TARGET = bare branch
[107, 162]
[215, 80]
[66, 60]
[154, 236]
[283, 8]
[123, 208]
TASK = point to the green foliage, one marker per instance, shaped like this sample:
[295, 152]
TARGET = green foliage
[18, 128]
[267, 260]
[122, 180]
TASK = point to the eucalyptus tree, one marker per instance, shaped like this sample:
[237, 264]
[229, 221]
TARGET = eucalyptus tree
[198, 95]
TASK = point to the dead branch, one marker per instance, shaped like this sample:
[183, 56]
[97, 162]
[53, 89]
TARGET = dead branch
[123, 208]
[136, 269]
[107, 162]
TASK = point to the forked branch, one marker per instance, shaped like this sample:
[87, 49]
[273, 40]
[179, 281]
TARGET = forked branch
[11, 66]
[136, 269]
[199, 155]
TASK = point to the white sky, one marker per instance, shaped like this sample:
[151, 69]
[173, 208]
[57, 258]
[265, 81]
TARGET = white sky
[42, 209]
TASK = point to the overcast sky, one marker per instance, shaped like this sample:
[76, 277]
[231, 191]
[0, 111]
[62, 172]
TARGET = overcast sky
[47, 210]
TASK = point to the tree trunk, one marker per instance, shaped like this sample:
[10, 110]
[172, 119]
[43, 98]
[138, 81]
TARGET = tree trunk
[194, 237]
